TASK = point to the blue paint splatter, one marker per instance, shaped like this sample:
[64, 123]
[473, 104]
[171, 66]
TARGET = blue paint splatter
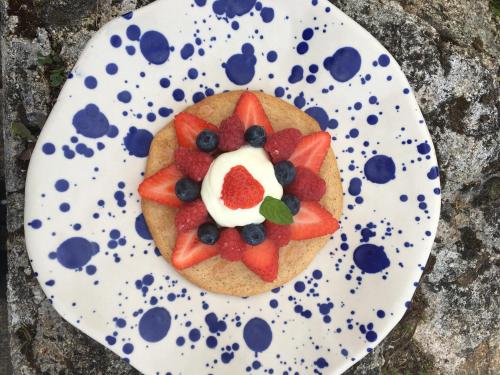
[154, 47]
[115, 41]
[90, 82]
[267, 14]
[154, 324]
[296, 75]
[128, 348]
[320, 115]
[231, 8]
[307, 34]
[133, 32]
[344, 64]
[35, 224]
[371, 258]
[91, 122]
[124, 96]
[240, 68]
[433, 173]
[48, 148]
[380, 169]
[384, 60]
[111, 68]
[302, 48]
[187, 51]
[61, 185]
[178, 95]
[372, 119]
[321, 362]
[141, 228]
[257, 334]
[137, 142]
[75, 252]
[423, 148]
[355, 186]
[272, 56]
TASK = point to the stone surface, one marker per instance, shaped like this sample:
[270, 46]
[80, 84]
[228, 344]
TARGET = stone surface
[448, 49]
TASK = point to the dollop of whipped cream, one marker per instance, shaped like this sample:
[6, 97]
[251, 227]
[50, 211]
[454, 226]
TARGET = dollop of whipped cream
[257, 163]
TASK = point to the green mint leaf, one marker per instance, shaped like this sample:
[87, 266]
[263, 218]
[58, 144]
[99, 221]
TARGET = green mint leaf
[276, 211]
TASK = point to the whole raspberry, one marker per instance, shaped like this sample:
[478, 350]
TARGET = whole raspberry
[279, 234]
[192, 163]
[307, 186]
[280, 145]
[231, 134]
[191, 216]
[230, 244]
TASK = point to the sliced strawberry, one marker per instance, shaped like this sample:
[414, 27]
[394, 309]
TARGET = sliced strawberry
[312, 221]
[187, 128]
[189, 251]
[251, 112]
[311, 151]
[240, 189]
[263, 260]
[160, 187]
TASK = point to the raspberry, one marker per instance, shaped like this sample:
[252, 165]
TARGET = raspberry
[231, 134]
[240, 189]
[280, 145]
[192, 163]
[279, 234]
[307, 186]
[230, 244]
[191, 216]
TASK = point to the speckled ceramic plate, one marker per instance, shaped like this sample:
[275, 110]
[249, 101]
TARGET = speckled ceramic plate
[86, 236]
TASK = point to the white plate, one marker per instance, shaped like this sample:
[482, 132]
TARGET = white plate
[87, 239]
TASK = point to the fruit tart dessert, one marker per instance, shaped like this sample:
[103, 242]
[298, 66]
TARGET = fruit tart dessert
[241, 192]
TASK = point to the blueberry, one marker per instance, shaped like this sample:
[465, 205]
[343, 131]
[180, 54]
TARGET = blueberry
[285, 172]
[207, 141]
[256, 136]
[254, 234]
[292, 203]
[208, 233]
[187, 190]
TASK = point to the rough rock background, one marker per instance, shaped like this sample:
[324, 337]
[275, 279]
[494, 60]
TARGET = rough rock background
[449, 50]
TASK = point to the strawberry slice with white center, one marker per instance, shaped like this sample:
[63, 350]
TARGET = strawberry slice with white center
[250, 111]
[190, 251]
[160, 187]
[312, 221]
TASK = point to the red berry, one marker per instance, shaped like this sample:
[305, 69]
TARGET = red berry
[312, 221]
[280, 145]
[191, 216]
[192, 163]
[187, 128]
[240, 189]
[231, 245]
[263, 260]
[190, 251]
[279, 234]
[231, 134]
[160, 187]
[249, 109]
[311, 151]
[307, 185]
